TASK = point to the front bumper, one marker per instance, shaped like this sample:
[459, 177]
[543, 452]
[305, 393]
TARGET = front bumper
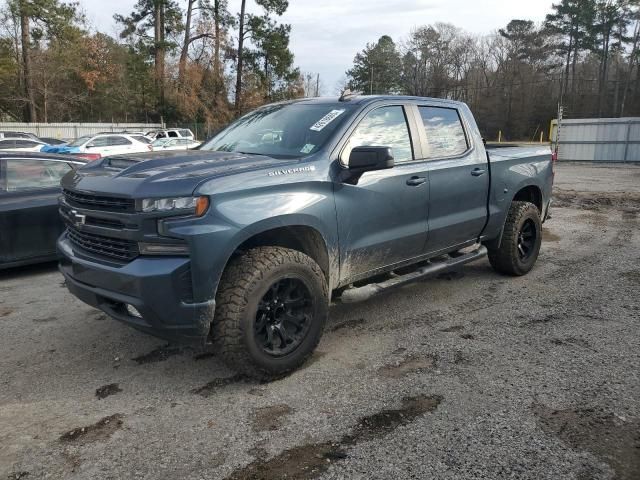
[155, 286]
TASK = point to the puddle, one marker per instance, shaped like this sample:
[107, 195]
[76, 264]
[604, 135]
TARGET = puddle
[159, 354]
[107, 390]
[213, 386]
[633, 276]
[5, 311]
[101, 430]
[596, 200]
[311, 460]
[454, 328]
[459, 358]
[549, 236]
[613, 439]
[271, 418]
[408, 365]
[45, 319]
[353, 323]
[572, 341]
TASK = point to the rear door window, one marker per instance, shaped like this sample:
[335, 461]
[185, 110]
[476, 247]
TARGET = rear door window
[117, 141]
[444, 131]
[172, 134]
[26, 143]
[7, 144]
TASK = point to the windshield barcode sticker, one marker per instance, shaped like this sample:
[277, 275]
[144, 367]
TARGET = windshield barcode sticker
[326, 120]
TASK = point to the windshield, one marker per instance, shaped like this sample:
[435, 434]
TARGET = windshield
[80, 141]
[281, 131]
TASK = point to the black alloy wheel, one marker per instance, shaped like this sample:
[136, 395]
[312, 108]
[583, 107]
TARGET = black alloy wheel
[527, 238]
[283, 317]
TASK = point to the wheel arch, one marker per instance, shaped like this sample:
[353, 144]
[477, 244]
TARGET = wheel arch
[526, 193]
[530, 193]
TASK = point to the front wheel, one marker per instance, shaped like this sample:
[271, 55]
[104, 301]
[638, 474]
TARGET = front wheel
[521, 240]
[271, 308]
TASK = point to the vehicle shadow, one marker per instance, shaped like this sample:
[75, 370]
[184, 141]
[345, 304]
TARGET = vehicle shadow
[15, 273]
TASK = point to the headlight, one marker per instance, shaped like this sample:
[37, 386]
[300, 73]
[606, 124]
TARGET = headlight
[196, 205]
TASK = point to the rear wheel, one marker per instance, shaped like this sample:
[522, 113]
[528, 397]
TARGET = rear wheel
[521, 240]
[271, 307]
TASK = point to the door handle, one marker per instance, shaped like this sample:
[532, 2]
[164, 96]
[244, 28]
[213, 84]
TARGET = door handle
[416, 181]
[476, 172]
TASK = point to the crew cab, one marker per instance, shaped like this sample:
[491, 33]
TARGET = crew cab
[245, 241]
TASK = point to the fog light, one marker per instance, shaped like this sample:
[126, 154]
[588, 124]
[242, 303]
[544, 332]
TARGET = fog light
[133, 311]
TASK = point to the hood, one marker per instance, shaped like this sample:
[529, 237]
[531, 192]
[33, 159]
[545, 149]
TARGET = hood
[155, 174]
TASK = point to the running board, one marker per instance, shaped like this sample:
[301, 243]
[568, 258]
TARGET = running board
[358, 294]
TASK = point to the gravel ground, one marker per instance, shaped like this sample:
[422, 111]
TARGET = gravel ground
[471, 375]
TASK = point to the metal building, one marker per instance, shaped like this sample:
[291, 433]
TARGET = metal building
[598, 139]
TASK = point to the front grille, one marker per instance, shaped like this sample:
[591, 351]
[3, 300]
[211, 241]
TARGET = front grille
[99, 202]
[103, 222]
[116, 248]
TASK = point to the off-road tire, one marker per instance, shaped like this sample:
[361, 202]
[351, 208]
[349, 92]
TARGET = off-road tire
[243, 285]
[505, 259]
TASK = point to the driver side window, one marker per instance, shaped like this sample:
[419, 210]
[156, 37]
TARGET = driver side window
[383, 127]
[34, 174]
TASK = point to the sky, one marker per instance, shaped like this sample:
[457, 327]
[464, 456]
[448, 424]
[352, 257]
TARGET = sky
[326, 34]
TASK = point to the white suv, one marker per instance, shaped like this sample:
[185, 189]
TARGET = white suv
[171, 133]
[104, 145]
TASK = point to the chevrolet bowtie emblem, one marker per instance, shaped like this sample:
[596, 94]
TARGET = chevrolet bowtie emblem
[77, 218]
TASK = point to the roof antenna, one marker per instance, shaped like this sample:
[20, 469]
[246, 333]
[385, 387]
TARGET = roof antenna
[347, 94]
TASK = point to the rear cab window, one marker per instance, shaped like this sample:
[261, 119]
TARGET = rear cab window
[445, 135]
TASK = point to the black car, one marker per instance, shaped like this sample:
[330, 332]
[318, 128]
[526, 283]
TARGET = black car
[29, 220]
[53, 141]
[12, 134]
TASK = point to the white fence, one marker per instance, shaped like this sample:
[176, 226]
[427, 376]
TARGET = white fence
[74, 130]
[599, 139]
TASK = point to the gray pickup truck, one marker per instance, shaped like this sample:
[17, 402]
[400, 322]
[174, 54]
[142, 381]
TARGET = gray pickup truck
[245, 241]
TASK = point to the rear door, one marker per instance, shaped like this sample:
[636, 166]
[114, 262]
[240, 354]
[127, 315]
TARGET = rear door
[382, 220]
[458, 177]
[29, 219]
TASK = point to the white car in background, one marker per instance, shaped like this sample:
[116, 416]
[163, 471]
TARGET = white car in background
[21, 145]
[170, 133]
[174, 144]
[103, 145]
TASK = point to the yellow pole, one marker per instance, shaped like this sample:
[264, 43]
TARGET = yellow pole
[541, 136]
[499, 136]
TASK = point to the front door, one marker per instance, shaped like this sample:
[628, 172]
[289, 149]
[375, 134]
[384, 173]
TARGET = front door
[29, 219]
[382, 220]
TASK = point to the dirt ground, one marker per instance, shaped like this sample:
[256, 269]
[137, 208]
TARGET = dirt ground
[471, 375]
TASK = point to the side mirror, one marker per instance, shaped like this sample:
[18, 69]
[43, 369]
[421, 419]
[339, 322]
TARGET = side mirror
[91, 145]
[369, 159]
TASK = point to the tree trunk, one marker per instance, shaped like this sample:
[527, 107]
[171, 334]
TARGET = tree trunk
[158, 25]
[182, 64]
[216, 48]
[238, 103]
[632, 57]
[30, 114]
[567, 63]
[605, 64]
